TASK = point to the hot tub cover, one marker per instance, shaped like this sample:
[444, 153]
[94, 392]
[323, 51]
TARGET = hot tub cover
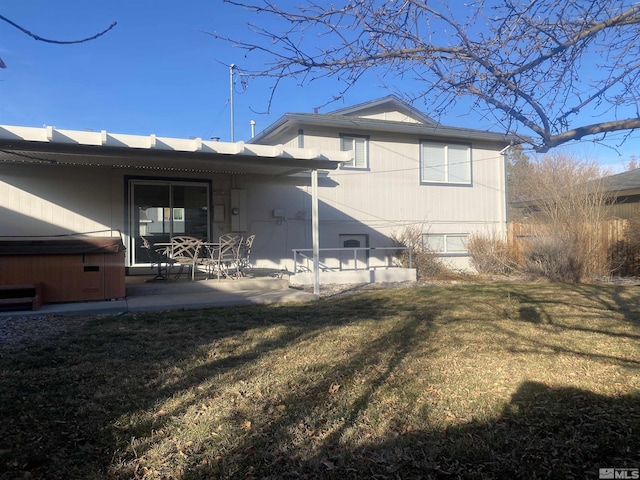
[62, 245]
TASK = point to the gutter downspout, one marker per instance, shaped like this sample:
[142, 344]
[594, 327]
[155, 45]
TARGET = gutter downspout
[503, 153]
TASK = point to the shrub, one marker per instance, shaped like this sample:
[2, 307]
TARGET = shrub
[427, 263]
[568, 202]
[491, 255]
[557, 257]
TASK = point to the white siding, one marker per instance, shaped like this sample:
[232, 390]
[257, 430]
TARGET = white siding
[54, 200]
[387, 197]
[390, 116]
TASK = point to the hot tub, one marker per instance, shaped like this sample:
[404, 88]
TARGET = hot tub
[70, 268]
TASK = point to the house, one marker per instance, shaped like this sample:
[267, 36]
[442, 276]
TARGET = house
[624, 188]
[408, 171]
[620, 193]
[380, 167]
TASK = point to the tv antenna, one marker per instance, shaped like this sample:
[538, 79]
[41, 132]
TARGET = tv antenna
[231, 67]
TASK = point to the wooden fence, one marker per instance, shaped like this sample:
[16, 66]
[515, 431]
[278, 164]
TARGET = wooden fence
[609, 251]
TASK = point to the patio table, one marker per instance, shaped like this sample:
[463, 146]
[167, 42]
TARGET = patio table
[163, 251]
[210, 259]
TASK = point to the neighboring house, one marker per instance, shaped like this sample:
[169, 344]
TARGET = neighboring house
[400, 169]
[625, 189]
[620, 193]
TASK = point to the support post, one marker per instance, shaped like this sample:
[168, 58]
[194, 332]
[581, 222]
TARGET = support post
[314, 232]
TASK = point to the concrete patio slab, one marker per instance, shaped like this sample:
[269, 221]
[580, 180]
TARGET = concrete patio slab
[145, 296]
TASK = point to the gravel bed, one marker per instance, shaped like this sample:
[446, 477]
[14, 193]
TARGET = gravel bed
[18, 329]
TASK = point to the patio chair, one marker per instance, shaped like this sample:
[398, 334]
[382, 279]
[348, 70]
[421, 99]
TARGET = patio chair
[225, 262]
[185, 251]
[243, 255]
[158, 257]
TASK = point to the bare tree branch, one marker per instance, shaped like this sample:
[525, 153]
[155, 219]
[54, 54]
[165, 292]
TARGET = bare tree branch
[586, 130]
[60, 42]
[539, 64]
[48, 40]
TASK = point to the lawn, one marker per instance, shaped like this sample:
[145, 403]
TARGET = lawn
[472, 381]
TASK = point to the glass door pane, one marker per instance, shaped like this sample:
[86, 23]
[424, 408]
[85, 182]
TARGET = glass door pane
[190, 211]
[161, 210]
[150, 205]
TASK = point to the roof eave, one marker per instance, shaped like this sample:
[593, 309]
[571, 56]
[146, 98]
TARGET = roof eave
[357, 123]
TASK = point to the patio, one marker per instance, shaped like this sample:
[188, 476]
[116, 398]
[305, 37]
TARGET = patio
[144, 296]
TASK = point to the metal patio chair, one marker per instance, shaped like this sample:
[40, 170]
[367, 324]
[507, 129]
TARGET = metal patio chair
[184, 251]
[225, 261]
[244, 254]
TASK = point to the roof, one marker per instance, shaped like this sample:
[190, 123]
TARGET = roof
[389, 103]
[48, 145]
[627, 182]
[354, 124]
[347, 118]
[620, 184]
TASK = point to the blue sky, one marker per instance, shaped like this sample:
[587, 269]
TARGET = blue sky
[157, 72]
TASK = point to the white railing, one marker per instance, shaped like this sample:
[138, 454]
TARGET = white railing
[364, 258]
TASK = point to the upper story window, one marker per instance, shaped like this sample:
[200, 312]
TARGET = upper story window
[360, 147]
[445, 163]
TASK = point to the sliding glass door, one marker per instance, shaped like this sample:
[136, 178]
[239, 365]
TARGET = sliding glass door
[159, 210]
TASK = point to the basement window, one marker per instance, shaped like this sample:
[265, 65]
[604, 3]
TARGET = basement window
[446, 243]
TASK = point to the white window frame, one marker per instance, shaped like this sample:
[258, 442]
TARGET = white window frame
[445, 163]
[350, 143]
[447, 243]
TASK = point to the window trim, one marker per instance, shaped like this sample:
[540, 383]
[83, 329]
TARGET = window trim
[444, 236]
[442, 144]
[366, 139]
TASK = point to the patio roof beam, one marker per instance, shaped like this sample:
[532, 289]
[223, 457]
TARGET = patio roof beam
[78, 148]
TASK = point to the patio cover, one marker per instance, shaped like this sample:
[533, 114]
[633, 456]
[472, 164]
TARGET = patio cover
[48, 145]
[51, 146]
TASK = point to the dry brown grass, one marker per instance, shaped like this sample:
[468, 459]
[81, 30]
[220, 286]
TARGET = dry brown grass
[476, 381]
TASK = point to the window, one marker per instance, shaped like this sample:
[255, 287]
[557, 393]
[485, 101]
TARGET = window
[449, 244]
[445, 163]
[178, 214]
[359, 146]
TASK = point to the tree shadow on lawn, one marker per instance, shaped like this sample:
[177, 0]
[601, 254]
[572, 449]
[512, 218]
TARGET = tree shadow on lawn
[584, 321]
[544, 432]
[61, 402]
[61, 399]
[597, 302]
[612, 298]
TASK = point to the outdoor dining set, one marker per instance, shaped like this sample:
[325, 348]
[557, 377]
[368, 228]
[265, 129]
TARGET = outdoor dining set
[226, 258]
